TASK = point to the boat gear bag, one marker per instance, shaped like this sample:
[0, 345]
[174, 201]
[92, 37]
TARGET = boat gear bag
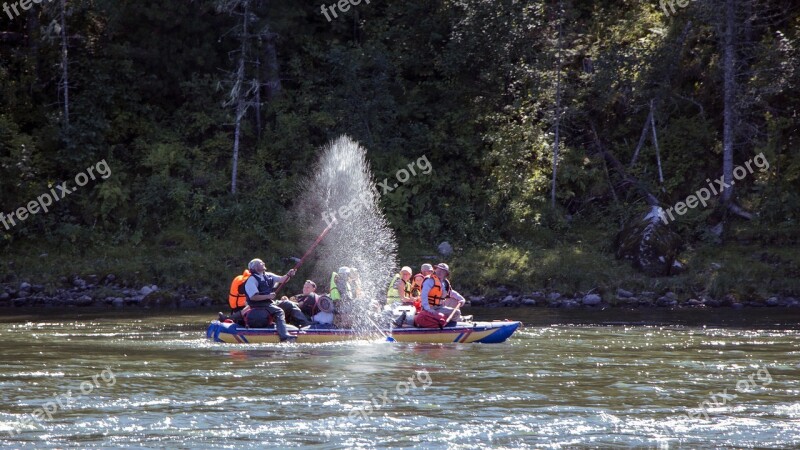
[325, 304]
[257, 318]
[323, 318]
[403, 315]
[237, 298]
[427, 319]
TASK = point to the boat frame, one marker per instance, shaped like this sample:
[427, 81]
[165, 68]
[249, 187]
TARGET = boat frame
[463, 332]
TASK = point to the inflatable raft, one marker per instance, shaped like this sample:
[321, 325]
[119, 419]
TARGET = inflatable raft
[463, 332]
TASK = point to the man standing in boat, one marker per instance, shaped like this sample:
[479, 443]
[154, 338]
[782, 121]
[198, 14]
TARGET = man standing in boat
[260, 291]
[439, 296]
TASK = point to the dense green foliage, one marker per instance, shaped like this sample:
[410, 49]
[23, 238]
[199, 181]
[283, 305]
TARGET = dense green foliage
[469, 83]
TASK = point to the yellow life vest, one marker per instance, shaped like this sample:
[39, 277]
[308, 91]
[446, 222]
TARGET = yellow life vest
[334, 295]
[391, 294]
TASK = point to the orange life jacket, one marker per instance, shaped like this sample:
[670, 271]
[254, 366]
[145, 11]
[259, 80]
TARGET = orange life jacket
[436, 295]
[236, 297]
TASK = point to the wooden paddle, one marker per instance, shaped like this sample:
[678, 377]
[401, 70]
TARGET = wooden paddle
[308, 252]
[388, 338]
[453, 314]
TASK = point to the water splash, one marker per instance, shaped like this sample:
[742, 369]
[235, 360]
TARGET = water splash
[342, 191]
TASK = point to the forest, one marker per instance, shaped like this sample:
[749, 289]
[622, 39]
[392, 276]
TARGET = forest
[553, 129]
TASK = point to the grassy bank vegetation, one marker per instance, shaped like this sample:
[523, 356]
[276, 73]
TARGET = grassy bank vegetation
[753, 264]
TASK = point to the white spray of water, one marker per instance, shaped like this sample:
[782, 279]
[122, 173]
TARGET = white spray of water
[342, 189]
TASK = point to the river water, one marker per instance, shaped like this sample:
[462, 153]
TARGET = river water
[568, 379]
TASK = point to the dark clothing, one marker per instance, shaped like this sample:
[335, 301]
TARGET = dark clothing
[266, 286]
[307, 303]
[293, 312]
[277, 315]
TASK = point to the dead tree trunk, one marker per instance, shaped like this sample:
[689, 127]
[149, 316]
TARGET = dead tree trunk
[556, 141]
[258, 99]
[628, 180]
[64, 64]
[729, 114]
[655, 143]
[642, 138]
[238, 94]
[271, 66]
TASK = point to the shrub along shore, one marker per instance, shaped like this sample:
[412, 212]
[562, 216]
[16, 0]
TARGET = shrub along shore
[99, 293]
[564, 272]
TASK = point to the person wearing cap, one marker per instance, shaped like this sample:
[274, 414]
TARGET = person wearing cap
[440, 295]
[416, 284]
[340, 285]
[260, 292]
[400, 288]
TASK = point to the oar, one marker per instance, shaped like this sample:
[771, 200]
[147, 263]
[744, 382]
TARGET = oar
[308, 252]
[452, 314]
[388, 338]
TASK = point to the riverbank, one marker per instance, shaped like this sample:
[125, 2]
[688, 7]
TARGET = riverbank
[572, 269]
[104, 293]
[96, 292]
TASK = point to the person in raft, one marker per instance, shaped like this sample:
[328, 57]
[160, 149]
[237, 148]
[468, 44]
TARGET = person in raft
[345, 290]
[260, 291]
[307, 301]
[440, 295]
[400, 288]
[416, 283]
[294, 315]
[341, 288]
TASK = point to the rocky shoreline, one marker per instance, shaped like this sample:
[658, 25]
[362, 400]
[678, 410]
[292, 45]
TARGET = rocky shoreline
[95, 292]
[106, 292]
[625, 299]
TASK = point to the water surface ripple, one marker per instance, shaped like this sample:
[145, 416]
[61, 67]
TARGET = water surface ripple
[566, 380]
